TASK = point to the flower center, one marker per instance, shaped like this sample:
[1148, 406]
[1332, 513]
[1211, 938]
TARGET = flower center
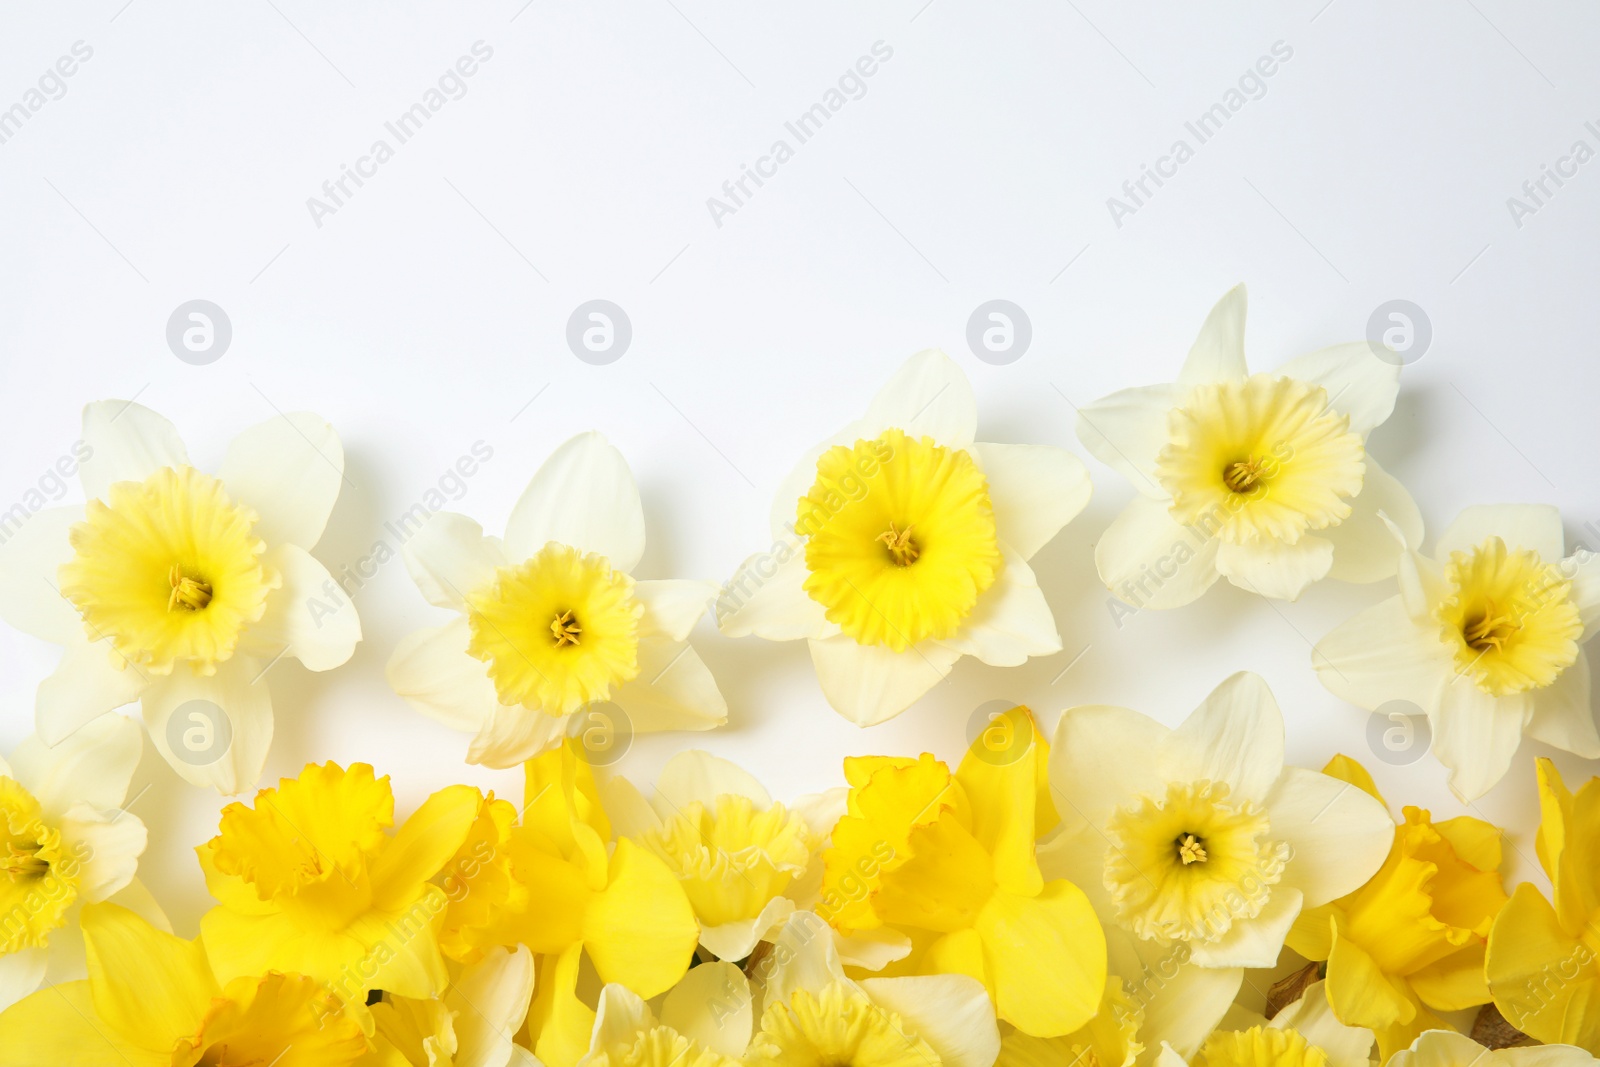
[256, 1022]
[1510, 618]
[38, 873]
[1187, 865]
[1259, 1046]
[168, 570]
[1263, 459]
[836, 1027]
[526, 626]
[659, 1046]
[877, 581]
[731, 857]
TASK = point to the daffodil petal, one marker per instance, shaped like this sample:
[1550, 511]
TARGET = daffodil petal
[20, 974]
[1535, 526]
[1359, 992]
[514, 734]
[1339, 833]
[1274, 569]
[1379, 655]
[1254, 942]
[1364, 548]
[490, 1001]
[869, 684]
[239, 690]
[1183, 1002]
[110, 841]
[1454, 983]
[712, 1007]
[1527, 940]
[766, 598]
[1359, 384]
[584, 495]
[674, 690]
[1011, 621]
[1475, 734]
[149, 987]
[1218, 352]
[693, 775]
[431, 670]
[640, 931]
[94, 765]
[126, 442]
[1312, 1017]
[58, 1026]
[449, 556]
[1234, 736]
[673, 606]
[1562, 717]
[30, 556]
[1035, 491]
[1127, 430]
[288, 470]
[1149, 560]
[929, 396]
[1090, 770]
[1045, 958]
[424, 843]
[308, 618]
[951, 1012]
[85, 685]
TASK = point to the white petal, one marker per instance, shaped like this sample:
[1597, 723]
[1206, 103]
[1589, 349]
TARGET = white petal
[309, 618]
[619, 1018]
[431, 670]
[1182, 1002]
[1583, 567]
[1381, 655]
[584, 496]
[1254, 942]
[1364, 548]
[766, 598]
[868, 684]
[1446, 1048]
[448, 557]
[822, 811]
[1339, 834]
[711, 1006]
[93, 765]
[30, 557]
[674, 690]
[1422, 585]
[127, 442]
[85, 685]
[20, 974]
[1127, 430]
[110, 843]
[1234, 736]
[872, 950]
[806, 959]
[1562, 717]
[694, 775]
[1475, 735]
[1274, 569]
[673, 606]
[1535, 526]
[951, 1012]
[736, 940]
[1359, 384]
[513, 735]
[1035, 490]
[1149, 561]
[490, 1001]
[1099, 756]
[1312, 1017]
[1218, 353]
[239, 689]
[630, 813]
[1011, 620]
[288, 470]
[928, 396]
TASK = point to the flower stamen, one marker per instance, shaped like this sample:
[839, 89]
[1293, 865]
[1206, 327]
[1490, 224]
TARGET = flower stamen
[1244, 475]
[902, 550]
[1492, 630]
[565, 629]
[1191, 849]
[23, 861]
[191, 594]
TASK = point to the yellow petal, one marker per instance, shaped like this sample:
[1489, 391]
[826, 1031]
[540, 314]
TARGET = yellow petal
[1000, 776]
[957, 953]
[562, 804]
[1544, 981]
[1358, 990]
[944, 883]
[1045, 957]
[149, 987]
[424, 844]
[1455, 983]
[1474, 840]
[1311, 935]
[58, 1026]
[1346, 769]
[641, 931]
[558, 1022]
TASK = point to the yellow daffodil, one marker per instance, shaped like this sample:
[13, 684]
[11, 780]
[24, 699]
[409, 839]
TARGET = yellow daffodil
[65, 841]
[900, 545]
[179, 590]
[948, 860]
[1110, 1039]
[1442, 1048]
[549, 621]
[152, 1000]
[1303, 1034]
[1542, 964]
[1263, 479]
[471, 1025]
[743, 859]
[1410, 942]
[1198, 848]
[552, 881]
[698, 1026]
[1486, 637]
[310, 880]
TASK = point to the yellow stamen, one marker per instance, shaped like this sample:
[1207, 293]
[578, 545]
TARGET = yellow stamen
[1244, 475]
[902, 550]
[565, 629]
[23, 861]
[191, 594]
[1491, 631]
[1190, 850]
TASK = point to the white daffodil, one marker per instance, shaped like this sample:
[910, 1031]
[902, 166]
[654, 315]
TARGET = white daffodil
[65, 841]
[901, 545]
[743, 859]
[1263, 479]
[549, 621]
[1303, 1034]
[1446, 1048]
[705, 1022]
[1485, 637]
[1198, 847]
[471, 1025]
[180, 590]
[812, 1013]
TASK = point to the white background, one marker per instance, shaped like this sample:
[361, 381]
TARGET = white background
[430, 309]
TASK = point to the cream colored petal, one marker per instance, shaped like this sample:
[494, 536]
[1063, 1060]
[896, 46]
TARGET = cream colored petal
[1379, 655]
[766, 598]
[1359, 384]
[1127, 430]
[110, 842]
[619, 1018]
[1422, 586]
[449, 557]
[951, 1012]
[309, 618]
[1364, 548]
[431, 670]
[1444, 1048]
[736, 940]
[126, 442]
[1475, 735]
[1339, 835]
[31, 554]
[673, 606]
[1218, 353]
[288, 470]
[869, 684]
[1535, 526]
[513, 735]
[804, 958]
[630, 813]
[1274, 569]
[86, 684]
[1182, 1001]
[1035, 490]
[1100, 757]
[693, 775]
[674, 690]
[1234, 736]
[711, 1006]
[584, 496]
[1312, 1017]
[872, 950]
[1253, 942]
[1562, 717]
[1583, 567]
[93, 765]
[225, 752]
[1148, 560]
[490, 1001]
[823, 810]
[1011, 621]
[928, 396]
[20, 974]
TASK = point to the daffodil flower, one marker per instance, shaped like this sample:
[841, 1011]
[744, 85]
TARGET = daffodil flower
[1542, 964]
[152, 1000]
[1110, 1039]
[693, 1030]
[549, 621]
[1486, 637]
[1263, 479]
[1304, 1034]
[180, 590]
[66, 840]
[1410, 942]
[1444, 1048]
[901, 545]
[743, 859]
[309, 880]
[1198, 842]
[471, 1025]
[948, 862]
